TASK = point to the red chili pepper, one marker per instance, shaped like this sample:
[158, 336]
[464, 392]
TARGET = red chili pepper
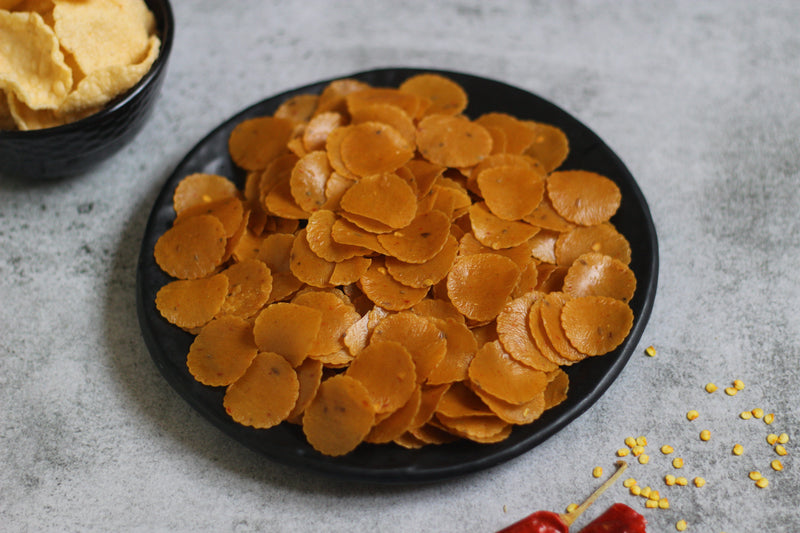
[619, 518]
[549, 522]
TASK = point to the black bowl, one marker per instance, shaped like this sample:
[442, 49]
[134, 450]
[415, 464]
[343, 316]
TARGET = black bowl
[74, 148]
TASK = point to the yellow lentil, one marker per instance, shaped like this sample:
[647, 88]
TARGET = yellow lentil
[705, 435]
[681, 525]
[667, 449]
[758, 412]
[780, 450]
[637, 450]
[641, 441]
[762, 483]
[630, 442]
[650, 351]
[776, 465]
[745, 415]
[731, 391]
[698, 481]
[738, 384]
[677, 462]
[628, 483]
[663, 503]
[597, 471]
[772, 438]
[738, 449]
[622, 452]
[651, 504]
[783, 438]
[769, 418]
[692, 415]
[654, 495]
[636, 490]
[571, 507]
[644, 459]
[645, 493]
[669, 480]
[710, 387]
[755, 475]
[681, 481]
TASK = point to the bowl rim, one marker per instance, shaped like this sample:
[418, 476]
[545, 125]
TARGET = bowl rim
[166, 35]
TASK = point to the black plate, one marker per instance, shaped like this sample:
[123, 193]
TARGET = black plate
[286, 444]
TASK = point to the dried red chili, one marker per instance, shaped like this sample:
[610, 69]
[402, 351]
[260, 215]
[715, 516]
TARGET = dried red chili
[619, 518]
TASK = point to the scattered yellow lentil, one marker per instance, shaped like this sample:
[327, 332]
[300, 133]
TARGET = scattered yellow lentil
[681, 481]
[630, 442]
[571, 507]
[745, 415]
[731, 391]
[769, 418]
[645, 493]
[677, 462]
[758, 412]
[636, 490]
[669, 480]
[692, 415]
[667, 449]
[654, 495]
[651, 504]
[637, 450]
[755, 475]
[772, 438]
[663, 503]
[597, 471]
[783, 438]
[644, 459]
[738, 384]
[738, 449]
[622, 452]
[762, 483]
[641, 441]
[650, 351]
[628, 483]
[698, 481]
[780, 450]
[705, 435]
[681, 525]
[776, 465]
[710, 387]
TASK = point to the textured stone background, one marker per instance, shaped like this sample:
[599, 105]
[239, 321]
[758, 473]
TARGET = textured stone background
[701, 101]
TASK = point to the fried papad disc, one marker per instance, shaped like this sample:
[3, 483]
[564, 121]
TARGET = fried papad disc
[551, 277]
[192, 250]
[557, 387]
[545, 217]
[287, 329]
[409, 441]
[452, 141]
[275, 251]
[365, 223]
[433, 433]
[483, 429]
[247, 246]
[307, 266]
[496, 372]
[332, 97]
[339, 417]
[596, 325]
[421, 337]
[387, 114]
[543, 246]
[309, 376]
[229, 211]
[497, 160]
[550, 145]
[222, 351]
[318, 128]
[446, 96]
[199, 188]
[603, 238]
[461, 348]
[350, 270]
[431, 396]
[519, 135]
[385, 198]
[348, 233]
[419, 241]
[192, 303]
[387, 371]
[384, 291]
[393, 426]
[409, 103]
[520, 254]
[333, 147]
[528, 279]
[428, 273]
[550, 311]
[308, 180]
[255, 142]
[374, 148]
[496, 233]
[265, 395]
[540, 338]
[318, 233]
[337, 360]
[337, 316]
[437, 308]
[583, 197]
[511, 192]
[515, 335]
[459, 400]
[357, 335]
[518, 414]
[499, 139]
[299, 108]
[425, 174]
[279, 170]
[280, 202]
[479, 285]
[249, 287]
[596, 274]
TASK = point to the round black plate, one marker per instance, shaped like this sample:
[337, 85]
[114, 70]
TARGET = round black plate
[286, 444]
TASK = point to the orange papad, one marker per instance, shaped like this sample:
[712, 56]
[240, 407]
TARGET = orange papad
[394, 271]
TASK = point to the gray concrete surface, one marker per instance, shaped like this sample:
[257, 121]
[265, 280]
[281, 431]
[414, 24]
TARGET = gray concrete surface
[700, 99]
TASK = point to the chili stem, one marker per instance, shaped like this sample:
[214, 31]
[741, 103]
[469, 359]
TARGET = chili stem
[569, 518]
